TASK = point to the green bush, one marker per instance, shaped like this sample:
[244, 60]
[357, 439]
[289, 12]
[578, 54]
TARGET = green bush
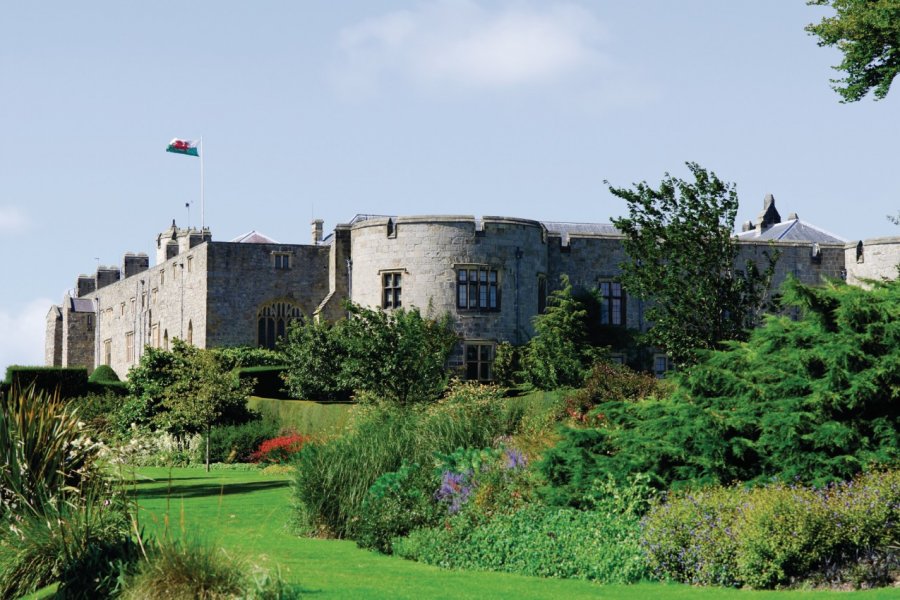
[103, 374]
[609, 382]
[268, 380]
[67, 382]
[774, 535]
[397, 503]
[235, 443]
[535, 540]
[507, 365]
[99, 411]
[303, 416]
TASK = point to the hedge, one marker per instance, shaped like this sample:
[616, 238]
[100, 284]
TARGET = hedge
[303, 416]
[67, 382]
[269, 383]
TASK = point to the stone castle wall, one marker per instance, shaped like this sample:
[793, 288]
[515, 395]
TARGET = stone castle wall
[243, 278]
[872, 259]
[428, 251]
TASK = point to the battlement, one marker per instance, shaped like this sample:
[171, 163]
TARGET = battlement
[176, 240]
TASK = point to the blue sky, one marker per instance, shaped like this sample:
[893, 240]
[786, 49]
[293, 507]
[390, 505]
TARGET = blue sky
[326, 110]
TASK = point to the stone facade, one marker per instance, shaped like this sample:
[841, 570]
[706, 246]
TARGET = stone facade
[492, 275]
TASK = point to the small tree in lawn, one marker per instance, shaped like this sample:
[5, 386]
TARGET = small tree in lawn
[682, 254]
[202, 393]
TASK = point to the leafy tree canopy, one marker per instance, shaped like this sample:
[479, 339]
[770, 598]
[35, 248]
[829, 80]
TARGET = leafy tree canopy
[399, 356]
[868, 34]
[682, 255]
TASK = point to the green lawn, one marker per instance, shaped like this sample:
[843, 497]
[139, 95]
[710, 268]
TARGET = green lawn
[246, 513]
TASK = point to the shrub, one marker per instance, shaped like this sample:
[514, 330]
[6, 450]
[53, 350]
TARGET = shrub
[397, 503]
[66, 382]
[535, 540]
[774, 535]
[559, 355]
[279, 450]
[235, 443]
[268, 381]
[99, 413]
[103, 374]
[608, 382]
[507, 365]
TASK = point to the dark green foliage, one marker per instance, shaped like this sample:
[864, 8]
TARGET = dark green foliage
[184, 390]
[536, 540]
[774, 535]
[813, 400]
[103, 374]
[396, 504]
[235, 443]
[507, 364]
[868, 33]
[682, 258]
[66, 382]
[240, 357]
[99, 411]
[398, 356]
[334, 477]
[559, 355]
[269, 382]
[315, 354]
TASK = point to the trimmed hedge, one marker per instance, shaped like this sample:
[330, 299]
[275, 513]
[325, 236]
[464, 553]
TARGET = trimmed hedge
[103, 374]
[269, 383]
[67, 382]
[303, 416]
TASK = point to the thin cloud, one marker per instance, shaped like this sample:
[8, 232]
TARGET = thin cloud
[22, 334]
[12, 220]
[459, 44]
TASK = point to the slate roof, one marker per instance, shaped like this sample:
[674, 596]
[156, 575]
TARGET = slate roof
[793, 230]
[254, 237]
[82, 305]
[568, 229]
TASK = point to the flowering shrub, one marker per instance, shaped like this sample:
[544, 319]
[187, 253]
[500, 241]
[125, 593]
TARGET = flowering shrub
[775, 535]
[279, 450]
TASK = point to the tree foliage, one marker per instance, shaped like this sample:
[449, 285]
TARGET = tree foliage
[682, 258]
[185, 390]
[559, 355]
[868, 34]
[398, 356]
[813, 400]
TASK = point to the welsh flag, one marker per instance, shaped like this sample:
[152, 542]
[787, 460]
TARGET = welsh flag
[188, 147]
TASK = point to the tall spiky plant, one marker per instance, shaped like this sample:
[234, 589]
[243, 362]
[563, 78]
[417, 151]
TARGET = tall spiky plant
[42, 452]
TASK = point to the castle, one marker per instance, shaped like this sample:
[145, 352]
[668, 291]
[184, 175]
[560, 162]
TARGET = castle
[491, 274]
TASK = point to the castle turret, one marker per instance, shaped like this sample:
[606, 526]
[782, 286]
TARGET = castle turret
[317, 225]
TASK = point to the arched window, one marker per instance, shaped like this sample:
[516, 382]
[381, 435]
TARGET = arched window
[166, 339]
[190, 335]
[273, 320]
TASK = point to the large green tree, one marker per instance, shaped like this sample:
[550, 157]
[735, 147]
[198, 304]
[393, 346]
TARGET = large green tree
[682, 256]
[867, 32]
[399, 356]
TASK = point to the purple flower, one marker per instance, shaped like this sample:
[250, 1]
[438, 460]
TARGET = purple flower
[455, 490]
[514, 459]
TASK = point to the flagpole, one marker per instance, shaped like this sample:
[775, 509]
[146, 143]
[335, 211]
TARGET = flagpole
[202, 207]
